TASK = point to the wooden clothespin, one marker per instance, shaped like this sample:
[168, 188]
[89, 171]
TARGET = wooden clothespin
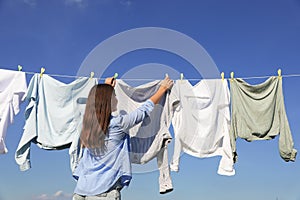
[92, 75]
[222, 76]
[20, 68]
[279, 74]
[42, 71]
[232, 76]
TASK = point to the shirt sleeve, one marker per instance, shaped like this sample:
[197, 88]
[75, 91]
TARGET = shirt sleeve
[176, 123]
[286, 143]
[226, 165]
[137, 116]
[22, 155]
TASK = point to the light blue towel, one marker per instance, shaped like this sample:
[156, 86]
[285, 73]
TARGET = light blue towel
[52, 115]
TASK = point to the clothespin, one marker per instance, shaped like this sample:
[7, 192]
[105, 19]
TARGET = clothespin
[42, 71]
[279, 74]
[92, 75]
[222, 76]
[232, 75]
[166, 75]
[114, 77]
[20, 68]
[181, 76]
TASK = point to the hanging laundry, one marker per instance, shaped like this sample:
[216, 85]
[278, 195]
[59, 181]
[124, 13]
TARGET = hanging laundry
[258, 113]
[150, 138]
[201, 122]
[12, 90]
[52, 114]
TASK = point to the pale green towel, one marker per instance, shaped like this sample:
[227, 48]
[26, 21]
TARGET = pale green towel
[258, 113]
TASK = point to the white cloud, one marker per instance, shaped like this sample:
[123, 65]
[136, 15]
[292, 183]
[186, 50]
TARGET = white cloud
[126, 2]
[42, 197]
[79, 3]
[31, 3]
[62, 194]
[59, 195]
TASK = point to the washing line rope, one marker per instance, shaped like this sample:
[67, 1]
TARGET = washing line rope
[259, 77]
[147, 79]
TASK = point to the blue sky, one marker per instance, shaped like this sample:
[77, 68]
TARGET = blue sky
[251, 38]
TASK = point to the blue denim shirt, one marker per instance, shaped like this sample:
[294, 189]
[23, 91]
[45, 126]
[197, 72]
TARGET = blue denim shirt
[97, 174]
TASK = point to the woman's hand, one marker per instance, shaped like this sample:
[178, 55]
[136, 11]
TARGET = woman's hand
[166, 84]
[110, 81]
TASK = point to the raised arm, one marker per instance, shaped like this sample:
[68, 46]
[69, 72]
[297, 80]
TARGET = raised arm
[165, 85]
[138, 115]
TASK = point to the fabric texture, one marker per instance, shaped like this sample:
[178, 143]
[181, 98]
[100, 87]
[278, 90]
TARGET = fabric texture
[149, 139]
[201, 122]
[13, 87]
[96, 174]
[258, 113]
[52, 116]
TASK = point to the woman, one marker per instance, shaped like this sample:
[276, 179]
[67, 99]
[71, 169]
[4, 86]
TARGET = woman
[105, 167]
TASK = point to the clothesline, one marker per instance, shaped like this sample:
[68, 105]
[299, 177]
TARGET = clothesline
[258, 77]
[47, 97]
[148, 79]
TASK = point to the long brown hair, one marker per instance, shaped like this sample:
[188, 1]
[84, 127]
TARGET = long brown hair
[97, 117]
